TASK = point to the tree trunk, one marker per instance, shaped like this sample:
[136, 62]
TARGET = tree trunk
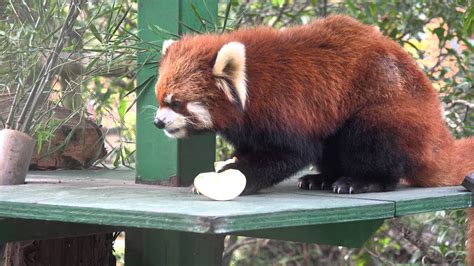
[84, 250]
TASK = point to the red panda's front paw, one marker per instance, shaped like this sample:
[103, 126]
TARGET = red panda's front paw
[349, 185]
[314, 182]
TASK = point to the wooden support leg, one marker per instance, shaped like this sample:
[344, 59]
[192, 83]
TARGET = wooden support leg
[155, 247]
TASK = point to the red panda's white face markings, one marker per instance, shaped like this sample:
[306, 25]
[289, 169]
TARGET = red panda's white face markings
[172, 122]
[169, 99]
[179, 118]
[195, 82]
[201, 113]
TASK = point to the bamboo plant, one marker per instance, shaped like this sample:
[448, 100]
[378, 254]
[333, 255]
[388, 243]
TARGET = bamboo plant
[30, 100]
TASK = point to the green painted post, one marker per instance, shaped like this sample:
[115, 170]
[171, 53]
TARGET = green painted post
[155, 247]
[161, 160]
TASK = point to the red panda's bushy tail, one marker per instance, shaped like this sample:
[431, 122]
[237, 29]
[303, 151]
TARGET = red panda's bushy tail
[463, 157]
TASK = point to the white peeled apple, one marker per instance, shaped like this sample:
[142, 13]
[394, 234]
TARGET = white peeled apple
[226, 185]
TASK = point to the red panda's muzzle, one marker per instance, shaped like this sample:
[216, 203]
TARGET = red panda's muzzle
[177, 125]
[174, 124]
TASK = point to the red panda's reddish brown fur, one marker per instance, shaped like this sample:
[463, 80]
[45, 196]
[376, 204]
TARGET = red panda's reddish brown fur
[335, 67]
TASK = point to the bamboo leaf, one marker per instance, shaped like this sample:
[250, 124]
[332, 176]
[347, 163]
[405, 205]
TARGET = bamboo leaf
[96, 33]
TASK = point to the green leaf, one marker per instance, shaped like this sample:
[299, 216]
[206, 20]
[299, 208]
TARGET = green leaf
[118, 158]
[439, 32]
[469, 20]
[373, 9]
[198, 15]
[122, 110]
[158, 30]
[278, 3]
[96, 33]
[117, 26]
[226, 16]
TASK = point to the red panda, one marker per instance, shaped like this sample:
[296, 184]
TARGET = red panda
[335, 93]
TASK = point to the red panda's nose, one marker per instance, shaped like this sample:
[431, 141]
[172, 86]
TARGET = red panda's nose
[159, 123]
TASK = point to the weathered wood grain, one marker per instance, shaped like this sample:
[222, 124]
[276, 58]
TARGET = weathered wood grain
[108, 197]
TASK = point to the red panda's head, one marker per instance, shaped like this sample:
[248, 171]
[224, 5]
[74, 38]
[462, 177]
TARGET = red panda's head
[201, 86]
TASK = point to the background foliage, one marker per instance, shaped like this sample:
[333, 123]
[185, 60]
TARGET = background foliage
[96, 69]
[97, 80]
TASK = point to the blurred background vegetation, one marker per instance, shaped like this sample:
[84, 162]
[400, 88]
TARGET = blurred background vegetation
[96, 79]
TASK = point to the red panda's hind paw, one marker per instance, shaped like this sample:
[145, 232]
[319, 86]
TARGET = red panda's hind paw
[349, 185]
[314, 182]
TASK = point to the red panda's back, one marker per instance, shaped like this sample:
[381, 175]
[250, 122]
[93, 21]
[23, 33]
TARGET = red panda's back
[295, 71]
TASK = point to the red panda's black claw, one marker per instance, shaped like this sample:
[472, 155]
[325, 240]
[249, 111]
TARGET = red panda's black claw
[349, 185]
[313, 182]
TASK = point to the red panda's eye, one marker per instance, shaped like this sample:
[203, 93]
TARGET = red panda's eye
[175, 104]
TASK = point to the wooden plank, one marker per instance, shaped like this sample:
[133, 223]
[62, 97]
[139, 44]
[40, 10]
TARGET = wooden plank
[161, 160]
[116, 203]
[349, 234]
[21, 229]
[118, 176]
[409, 200]
[111, 201]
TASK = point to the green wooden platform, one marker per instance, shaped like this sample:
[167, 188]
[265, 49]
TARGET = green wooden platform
[111, 198]
[163, 219]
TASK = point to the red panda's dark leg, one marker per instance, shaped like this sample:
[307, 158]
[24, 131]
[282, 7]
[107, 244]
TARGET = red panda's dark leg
[370, 157]
[265, 169]
[328, 167]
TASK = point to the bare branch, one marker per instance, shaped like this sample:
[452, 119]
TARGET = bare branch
[413, 237]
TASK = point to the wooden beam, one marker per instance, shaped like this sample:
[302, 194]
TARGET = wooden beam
[348, 234]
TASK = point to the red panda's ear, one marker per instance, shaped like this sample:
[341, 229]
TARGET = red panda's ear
[166, 45]
[230, 66]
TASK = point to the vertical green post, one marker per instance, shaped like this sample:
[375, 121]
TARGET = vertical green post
[159, 158]
[155, 247]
